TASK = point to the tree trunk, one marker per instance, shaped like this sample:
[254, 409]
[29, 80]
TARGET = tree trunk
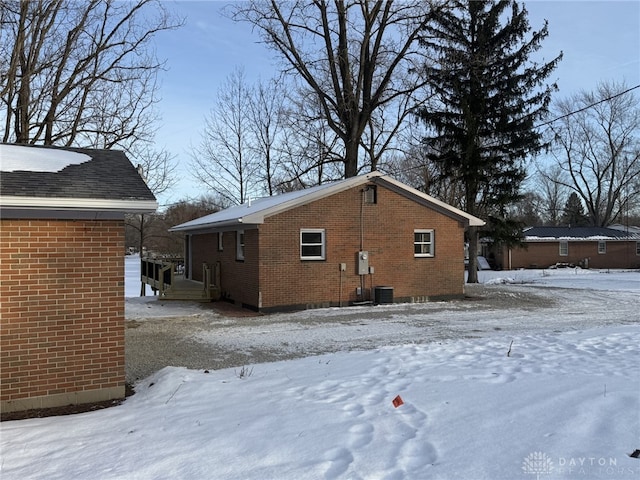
[472, 276]
[351, 159]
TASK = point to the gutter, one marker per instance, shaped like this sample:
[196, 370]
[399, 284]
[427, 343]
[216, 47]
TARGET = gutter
[77, 204]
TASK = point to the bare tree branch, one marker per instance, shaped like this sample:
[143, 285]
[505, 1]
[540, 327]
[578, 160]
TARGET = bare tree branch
[351, 54]
[72, 62]
[598, 149]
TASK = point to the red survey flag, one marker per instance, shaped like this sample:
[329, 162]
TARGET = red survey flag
[397, 401]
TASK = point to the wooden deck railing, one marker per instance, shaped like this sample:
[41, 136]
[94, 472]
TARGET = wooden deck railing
[166, 278]
[159, 273]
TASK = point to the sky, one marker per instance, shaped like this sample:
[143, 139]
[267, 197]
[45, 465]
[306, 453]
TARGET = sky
[600, 41]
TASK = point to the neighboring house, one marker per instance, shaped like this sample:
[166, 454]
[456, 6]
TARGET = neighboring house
[62, 269]
[587, 247]
[335, 244]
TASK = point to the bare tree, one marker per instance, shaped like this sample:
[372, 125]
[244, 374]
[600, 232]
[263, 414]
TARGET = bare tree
[597, 146]
[383, 135]
[414, 167]
[172, 243]
[79, 73]
[311, 151]
[266, 122]
[553, 195]
[357, 56]
[226, 159]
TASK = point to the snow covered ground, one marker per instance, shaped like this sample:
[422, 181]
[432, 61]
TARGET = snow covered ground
[556, 403]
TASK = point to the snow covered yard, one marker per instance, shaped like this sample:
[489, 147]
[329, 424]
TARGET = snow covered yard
[556, 403]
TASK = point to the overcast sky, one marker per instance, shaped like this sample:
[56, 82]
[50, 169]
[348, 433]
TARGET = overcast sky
[600, 41]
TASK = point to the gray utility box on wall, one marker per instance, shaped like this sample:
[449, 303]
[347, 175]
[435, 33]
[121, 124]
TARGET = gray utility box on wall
[363, 263]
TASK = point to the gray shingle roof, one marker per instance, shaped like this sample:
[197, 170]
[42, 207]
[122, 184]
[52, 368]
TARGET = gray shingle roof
[108, 174]
[578, 233]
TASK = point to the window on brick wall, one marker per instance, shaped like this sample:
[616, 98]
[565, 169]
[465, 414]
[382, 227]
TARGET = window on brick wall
[312, 244]
[564, 249]
[423, 243]
[240, 245]
[637, 248]
[220, 241]
[602, 247]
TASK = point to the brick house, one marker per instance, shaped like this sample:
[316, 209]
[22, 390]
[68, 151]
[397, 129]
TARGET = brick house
[588, 247]
[62, 269]
[335, 244]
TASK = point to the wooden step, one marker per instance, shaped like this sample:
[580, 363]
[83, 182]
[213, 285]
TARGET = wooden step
[194, 294]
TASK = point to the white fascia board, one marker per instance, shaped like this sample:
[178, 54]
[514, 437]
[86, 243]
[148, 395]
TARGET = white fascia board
[473, 221]
[81, 204]
[211, 227]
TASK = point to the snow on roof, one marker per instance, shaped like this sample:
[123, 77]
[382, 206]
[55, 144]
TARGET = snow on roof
[37, 178]
[586, 239]
[254, 212]
[19, 158]
[625, 228]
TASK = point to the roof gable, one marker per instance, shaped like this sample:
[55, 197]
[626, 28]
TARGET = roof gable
[255, 212]
[46, 177]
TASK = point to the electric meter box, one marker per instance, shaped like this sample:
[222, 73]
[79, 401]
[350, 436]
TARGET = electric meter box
[363, 263]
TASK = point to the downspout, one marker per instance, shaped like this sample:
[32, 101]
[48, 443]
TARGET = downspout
[362, 281]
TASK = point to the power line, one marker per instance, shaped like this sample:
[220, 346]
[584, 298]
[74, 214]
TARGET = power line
[588, 106]
[562, 116]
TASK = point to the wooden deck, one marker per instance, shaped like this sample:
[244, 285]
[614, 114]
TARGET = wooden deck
[185, 289]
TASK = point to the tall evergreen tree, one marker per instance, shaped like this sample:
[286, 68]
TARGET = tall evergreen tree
[573, 214]
[488, 94]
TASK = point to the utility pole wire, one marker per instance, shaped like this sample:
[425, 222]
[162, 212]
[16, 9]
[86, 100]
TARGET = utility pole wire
[418, 167]
[588, 106]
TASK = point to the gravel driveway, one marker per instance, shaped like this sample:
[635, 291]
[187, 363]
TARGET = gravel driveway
[217, 335]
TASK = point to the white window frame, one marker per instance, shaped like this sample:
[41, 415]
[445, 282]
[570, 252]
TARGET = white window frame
[430, 243]
[563, 252]
[321, 244]
[602, 247]
[240, 245]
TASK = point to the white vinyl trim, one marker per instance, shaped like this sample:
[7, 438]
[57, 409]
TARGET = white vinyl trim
[87, 204]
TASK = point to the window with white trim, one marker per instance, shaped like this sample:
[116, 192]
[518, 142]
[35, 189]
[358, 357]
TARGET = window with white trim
[602, 247]
[564, 248]
[423, 243]
[240, 245]
[312, 244]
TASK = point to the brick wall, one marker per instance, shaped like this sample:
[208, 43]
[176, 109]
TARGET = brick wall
[62, 312]
[387, 230]
[239, 278]
[619, 254]
[281, 279]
